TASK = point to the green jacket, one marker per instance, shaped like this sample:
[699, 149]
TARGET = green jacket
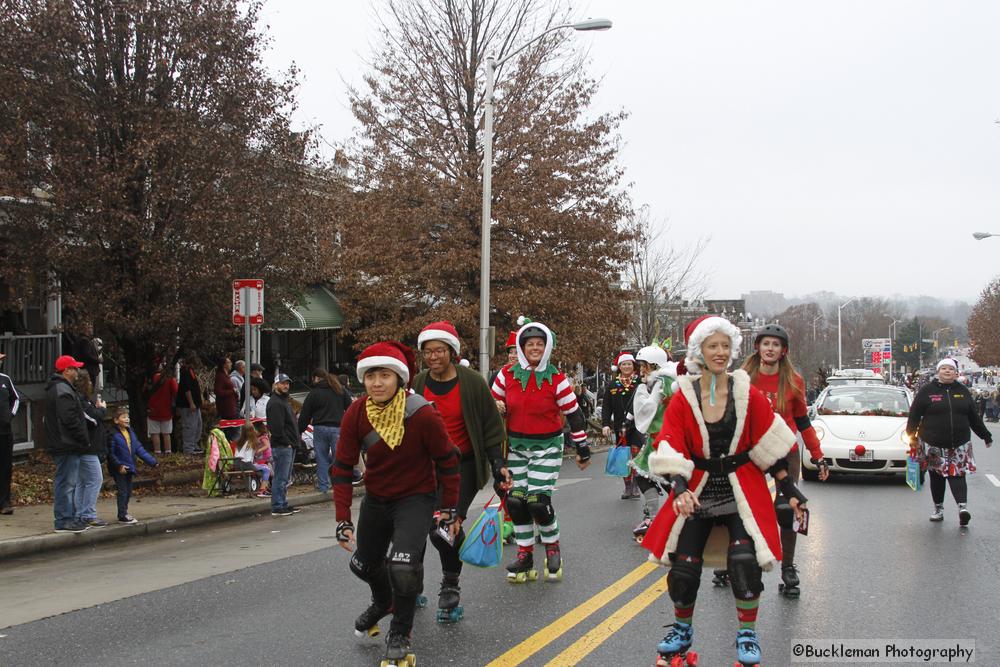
[482, 419]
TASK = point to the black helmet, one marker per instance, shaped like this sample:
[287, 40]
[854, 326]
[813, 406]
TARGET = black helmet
[773, 330]
[532, 332]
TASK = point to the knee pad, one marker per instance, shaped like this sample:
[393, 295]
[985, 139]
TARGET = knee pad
[744, 572]
[783, 510]
[407, 578]
[365, 571]
[540, 506]
[684, 578]
[517, 507]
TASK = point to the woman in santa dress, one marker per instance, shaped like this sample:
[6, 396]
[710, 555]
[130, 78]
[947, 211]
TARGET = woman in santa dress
[719, 436]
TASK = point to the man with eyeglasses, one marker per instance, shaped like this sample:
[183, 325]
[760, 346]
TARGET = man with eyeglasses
[474, 427]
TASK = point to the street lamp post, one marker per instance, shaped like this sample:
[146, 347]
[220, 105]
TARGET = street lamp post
[484, 269]
[892, 339]
[935, 335]
[840, 339]
[815, 320]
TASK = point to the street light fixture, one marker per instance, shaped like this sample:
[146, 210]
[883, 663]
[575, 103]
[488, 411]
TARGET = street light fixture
[935, 335]
[484, 269]
[892, 338]
[979, 236]
[840, 339]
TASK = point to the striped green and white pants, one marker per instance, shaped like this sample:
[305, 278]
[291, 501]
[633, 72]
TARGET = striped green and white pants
[534, 466]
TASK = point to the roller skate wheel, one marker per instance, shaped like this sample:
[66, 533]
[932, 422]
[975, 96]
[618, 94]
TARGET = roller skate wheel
[421, 601]
[677, 661]
[638, 539]
[451, 615]
[370, 632]
[554, 576]
[692, 659]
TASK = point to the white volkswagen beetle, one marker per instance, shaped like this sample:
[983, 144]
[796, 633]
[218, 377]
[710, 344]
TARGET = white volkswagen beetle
[862, 429]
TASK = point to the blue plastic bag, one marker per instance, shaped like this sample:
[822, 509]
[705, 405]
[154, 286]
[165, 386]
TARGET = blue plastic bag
[483, 544]
[913, 478]
[617, 463]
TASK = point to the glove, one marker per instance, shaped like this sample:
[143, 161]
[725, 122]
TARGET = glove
[680, 484]
[583, 451]
[497, 466]
[342, 529]
[445, 522]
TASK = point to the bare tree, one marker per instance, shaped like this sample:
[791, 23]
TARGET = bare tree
[658, 273]
[411, 242]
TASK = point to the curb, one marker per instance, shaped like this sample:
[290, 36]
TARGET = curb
[35, 544]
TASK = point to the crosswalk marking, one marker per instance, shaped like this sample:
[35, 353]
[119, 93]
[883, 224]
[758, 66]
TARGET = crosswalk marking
[993, 478]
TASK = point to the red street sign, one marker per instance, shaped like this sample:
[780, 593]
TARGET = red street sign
[254, 305]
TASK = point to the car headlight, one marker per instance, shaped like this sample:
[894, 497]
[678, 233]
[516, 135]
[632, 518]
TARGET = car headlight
[904, 437]
[820, 431]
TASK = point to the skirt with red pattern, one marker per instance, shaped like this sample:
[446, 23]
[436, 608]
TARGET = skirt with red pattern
[946, 462]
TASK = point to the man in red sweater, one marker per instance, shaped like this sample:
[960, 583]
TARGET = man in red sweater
[408, 455]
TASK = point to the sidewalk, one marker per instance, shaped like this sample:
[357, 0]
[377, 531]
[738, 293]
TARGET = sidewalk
[29, 530]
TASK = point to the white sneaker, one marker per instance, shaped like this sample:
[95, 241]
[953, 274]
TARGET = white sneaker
[938, 514]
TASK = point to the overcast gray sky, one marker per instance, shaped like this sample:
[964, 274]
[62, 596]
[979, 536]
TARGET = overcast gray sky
[847, 146]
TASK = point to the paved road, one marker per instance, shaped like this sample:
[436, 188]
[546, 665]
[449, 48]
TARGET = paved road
[278, 591]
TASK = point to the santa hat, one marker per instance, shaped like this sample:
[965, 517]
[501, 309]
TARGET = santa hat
[388, 354]
[622, 358]
[511, 340]
[698, 330]
[947, 361]
[442, 331]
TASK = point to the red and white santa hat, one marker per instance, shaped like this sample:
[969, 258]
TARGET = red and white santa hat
[388, 354]
[511, 340]
[622, 358]
[443, 331]
[698, 330]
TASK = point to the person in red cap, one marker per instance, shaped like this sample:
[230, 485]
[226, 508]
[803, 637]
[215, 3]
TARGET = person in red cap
[407, 455]
[616, 413]
[66, 439]
[474, 426]
[719, 437]
[534, 396]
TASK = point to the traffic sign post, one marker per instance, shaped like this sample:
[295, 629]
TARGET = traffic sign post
[878, 353]
[248, 309]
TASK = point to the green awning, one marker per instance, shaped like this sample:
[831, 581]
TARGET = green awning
[318, 309]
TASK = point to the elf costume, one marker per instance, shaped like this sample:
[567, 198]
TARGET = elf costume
[535, 399]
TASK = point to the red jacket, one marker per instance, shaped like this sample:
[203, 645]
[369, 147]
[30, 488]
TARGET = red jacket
[424, 458]
[683, 435]
[796, 410]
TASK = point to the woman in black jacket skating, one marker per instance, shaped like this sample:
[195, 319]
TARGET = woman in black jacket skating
[942, 417]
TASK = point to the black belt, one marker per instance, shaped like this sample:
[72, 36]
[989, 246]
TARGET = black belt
[722, 465]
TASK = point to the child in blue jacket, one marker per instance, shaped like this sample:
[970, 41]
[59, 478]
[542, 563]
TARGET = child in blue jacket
[125, 447]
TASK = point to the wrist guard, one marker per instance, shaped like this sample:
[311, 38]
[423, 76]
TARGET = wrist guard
[789, 490]
[497, 465]
[342, 529]
[583, 451]
[680, 485]
[819, 463]
[452, 515]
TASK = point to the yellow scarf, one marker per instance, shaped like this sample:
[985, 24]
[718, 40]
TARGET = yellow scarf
[388, 419]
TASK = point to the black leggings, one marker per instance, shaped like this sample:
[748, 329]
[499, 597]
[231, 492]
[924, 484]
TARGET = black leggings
[404, 522]
[691, 545]
[468, 487]
[959, 488]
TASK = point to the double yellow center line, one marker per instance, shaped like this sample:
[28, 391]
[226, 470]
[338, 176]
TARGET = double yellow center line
[600, 633]
[538, 641]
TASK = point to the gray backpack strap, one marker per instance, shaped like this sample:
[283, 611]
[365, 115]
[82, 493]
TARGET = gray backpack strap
[413, 403]
[370, 440]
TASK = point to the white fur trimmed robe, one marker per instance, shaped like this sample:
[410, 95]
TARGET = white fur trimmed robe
[684, 436]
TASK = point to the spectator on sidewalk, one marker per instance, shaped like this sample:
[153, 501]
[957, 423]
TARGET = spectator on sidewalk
[66, 439]
[217, 447]
[226, 396]
[90, 479]
[236, 376]
[88, 350]
[162, 393]
[189, 406]
[259, 398]
[284, 437]
[10, 401]
[324, 407]
[125, 447]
